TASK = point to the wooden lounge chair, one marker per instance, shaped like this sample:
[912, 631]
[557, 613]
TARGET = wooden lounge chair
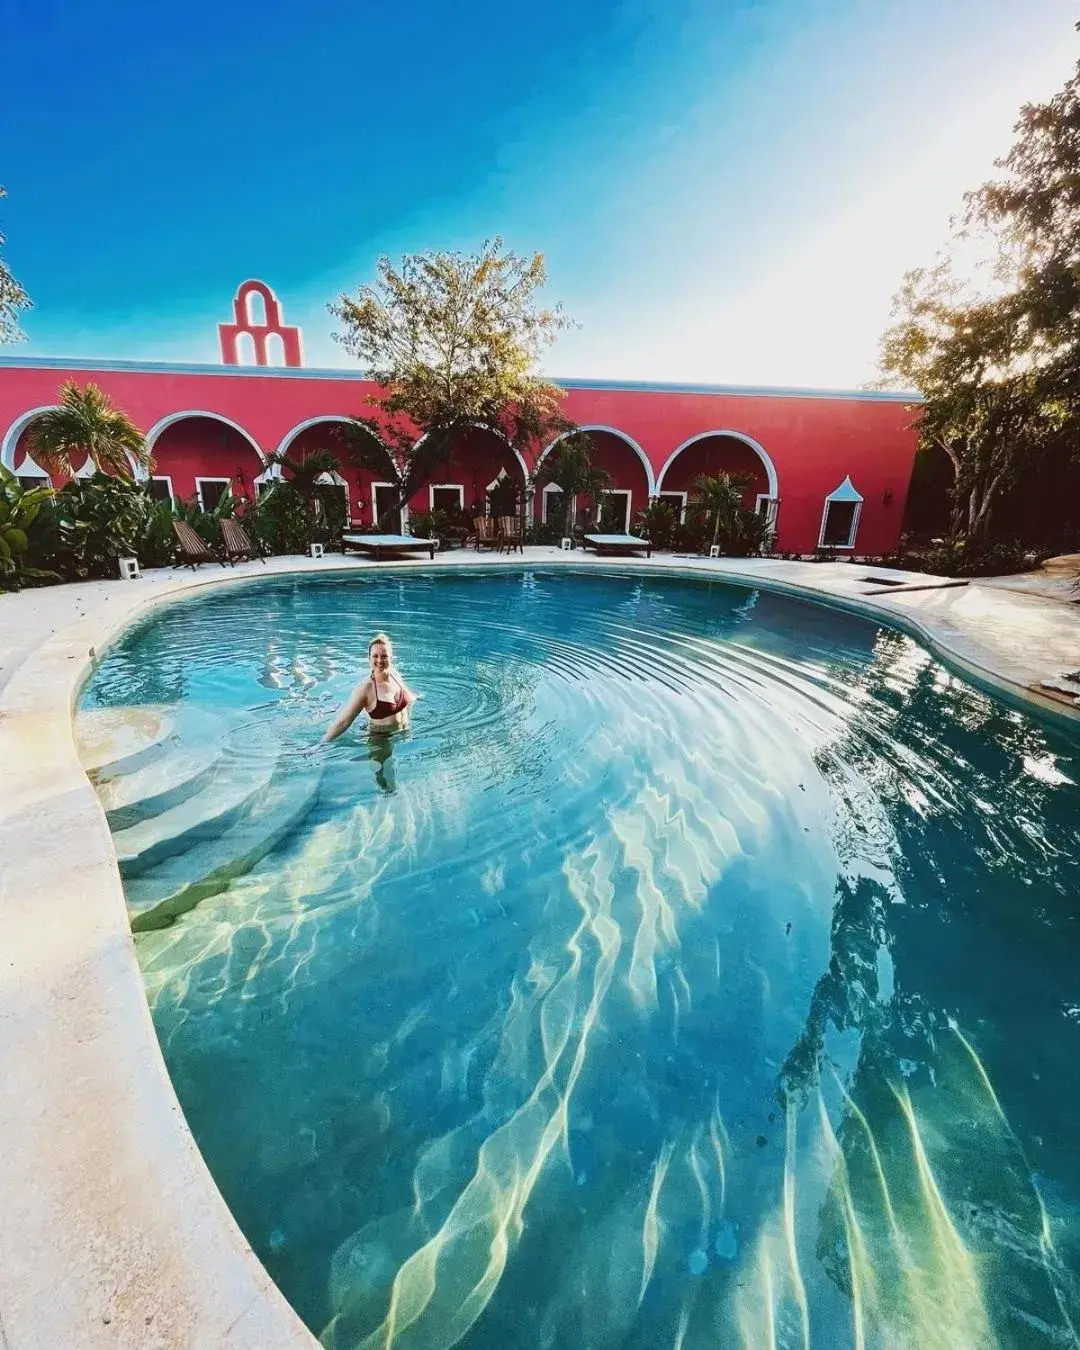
[381, 545]
[617, 543]
[192, 549]
[511, 534]
[236, 545]
[487, 532]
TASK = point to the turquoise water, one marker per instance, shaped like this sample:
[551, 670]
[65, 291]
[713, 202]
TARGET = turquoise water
[699, 970]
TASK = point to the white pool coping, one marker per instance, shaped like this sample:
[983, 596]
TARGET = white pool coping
[113, 1232]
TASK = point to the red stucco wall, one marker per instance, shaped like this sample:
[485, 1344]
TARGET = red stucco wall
[814, 442]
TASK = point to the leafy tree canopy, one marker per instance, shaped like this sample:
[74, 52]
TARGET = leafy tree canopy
[996, 355]
[453, 340]
[12, 299]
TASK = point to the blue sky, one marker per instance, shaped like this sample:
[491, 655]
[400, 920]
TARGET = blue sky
[724, 192]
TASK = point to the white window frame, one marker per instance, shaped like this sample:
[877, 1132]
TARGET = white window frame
[682, 496]
[446, 487]
[845, 495]
[616, 492]
[374, 509]
[164, 478]
[548, 488]
[199, 487]
[39, 478]
[768, 507]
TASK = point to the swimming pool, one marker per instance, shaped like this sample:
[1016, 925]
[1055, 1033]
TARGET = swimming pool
[699, 969]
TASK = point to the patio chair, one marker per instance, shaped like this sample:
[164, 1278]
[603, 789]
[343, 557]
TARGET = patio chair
[511, 534]
[487, 532]
[192, 550]
[236, 545]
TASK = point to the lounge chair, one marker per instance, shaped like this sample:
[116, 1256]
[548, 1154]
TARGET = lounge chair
[236, 545]
[511, 534]
[192, 549]
[486, 529]
[617, 543]
[379, 545]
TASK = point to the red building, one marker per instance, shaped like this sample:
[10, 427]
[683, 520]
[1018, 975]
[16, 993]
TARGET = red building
[832, 468]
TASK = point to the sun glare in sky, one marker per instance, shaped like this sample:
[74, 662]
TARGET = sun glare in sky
[724, 192]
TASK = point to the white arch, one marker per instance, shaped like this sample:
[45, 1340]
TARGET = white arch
[155, 431]
[11, 438]
[483, 426]
[614, 431]
[758, 449]
[30, 466]
[291, 436]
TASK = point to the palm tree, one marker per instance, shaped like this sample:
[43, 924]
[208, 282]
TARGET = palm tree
[307, 475]
[570, 467]
[720, 496]
[86, 423]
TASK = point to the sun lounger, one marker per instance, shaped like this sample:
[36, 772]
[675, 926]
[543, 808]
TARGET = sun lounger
[617, 543]
[192, 549]
[383, 545]
[236, 545]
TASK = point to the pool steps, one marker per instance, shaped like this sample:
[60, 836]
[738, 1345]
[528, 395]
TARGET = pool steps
[188, 819]
[208, 866]
[116, 741]
[165, 782]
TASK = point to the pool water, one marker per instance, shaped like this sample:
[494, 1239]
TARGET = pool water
[700, 969]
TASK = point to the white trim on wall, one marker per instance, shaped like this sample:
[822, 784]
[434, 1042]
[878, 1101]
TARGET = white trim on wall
[374, 512]
[845, 495]
[164, 423]
[616, 492]
[650, 480]
[680, 515]
[210, 479]
[167, 480]
[459, 488]
[756, 446]
[548, 488]
[768, 507]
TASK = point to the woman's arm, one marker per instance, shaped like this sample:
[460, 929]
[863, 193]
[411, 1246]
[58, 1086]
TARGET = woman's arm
[359, 701]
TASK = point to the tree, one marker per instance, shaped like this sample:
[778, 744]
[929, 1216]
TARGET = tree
[308, 479]
[87, 424]
[570, 467]
[719, 497]
[453, 341]
[999, 368]
[12, 299]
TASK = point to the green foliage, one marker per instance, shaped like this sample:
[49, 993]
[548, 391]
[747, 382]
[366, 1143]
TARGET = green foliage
[20, 510]
[454, 341]
[280, 521]
[959, 556]
[325, 503]
[506, 498]
[657, 523]
[92, 522]
[206, 524]
[570, 467]
[450, 527]
[999, 367]
[12, 299]
[716, 500]
[86, 423]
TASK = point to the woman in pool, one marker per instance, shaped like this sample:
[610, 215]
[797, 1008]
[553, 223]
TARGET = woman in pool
[383, 695]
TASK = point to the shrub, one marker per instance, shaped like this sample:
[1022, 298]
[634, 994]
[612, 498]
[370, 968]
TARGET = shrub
[20, 509]
[279, 521]
[960, 556]
[657, 522]
[89, 523]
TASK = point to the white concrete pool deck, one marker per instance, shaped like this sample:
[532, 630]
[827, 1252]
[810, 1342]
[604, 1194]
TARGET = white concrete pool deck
[113, 1232]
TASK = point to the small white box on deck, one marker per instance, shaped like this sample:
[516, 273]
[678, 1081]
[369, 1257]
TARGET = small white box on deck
[714, 550]
[129, 569]
[317, 550]
[566, 544]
